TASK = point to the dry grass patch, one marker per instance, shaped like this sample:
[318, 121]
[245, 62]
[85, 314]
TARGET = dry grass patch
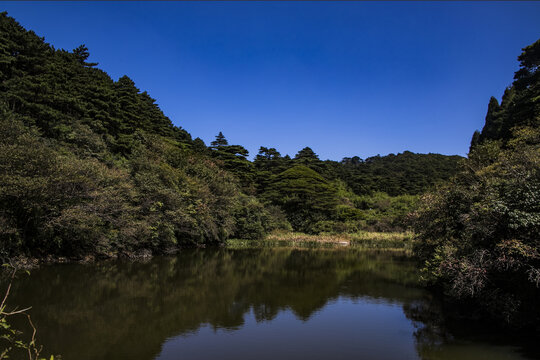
[379, 240]
[301, 237]
[364, 239]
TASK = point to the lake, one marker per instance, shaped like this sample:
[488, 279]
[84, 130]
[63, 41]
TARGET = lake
[267, 303]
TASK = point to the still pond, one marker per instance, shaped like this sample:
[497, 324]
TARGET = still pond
[267, 303]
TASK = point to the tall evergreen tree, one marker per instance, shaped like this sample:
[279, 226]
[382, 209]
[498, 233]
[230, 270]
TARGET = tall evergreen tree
[81, 53]
[306, 156]
[219, 141]
[234, 159]
[520, 106]
[475, 140]
[493, 121]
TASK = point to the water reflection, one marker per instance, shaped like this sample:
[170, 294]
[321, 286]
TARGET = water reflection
[269, 303]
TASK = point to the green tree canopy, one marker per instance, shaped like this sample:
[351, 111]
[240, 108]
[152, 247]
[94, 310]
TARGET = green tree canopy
[520, 105]
[304, 195]
[234, 159]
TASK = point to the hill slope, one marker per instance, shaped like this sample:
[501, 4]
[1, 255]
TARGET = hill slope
[90, 165]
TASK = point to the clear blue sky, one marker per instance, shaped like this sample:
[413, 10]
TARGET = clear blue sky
[345, 78]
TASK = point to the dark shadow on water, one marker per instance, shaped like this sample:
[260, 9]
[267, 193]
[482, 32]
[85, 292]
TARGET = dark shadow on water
[445, 333]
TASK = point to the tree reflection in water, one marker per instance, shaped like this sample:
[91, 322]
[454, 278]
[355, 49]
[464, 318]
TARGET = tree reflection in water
[117, 309]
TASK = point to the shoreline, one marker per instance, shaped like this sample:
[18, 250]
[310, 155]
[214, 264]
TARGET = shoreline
[361, 240]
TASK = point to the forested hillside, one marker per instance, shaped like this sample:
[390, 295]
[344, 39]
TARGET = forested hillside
[479, 235]
[90, 165]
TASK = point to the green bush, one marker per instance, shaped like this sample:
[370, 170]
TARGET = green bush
[478, 236]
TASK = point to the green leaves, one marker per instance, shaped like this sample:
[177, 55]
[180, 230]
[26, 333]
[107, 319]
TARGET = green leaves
[304, 195]
[490, 216]
[520, 106]
[234, 159]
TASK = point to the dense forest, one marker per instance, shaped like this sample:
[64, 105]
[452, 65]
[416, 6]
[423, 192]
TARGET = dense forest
[478, 235]
[92, 166]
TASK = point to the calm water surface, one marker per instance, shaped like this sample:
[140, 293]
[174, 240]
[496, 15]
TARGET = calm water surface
[249, 304]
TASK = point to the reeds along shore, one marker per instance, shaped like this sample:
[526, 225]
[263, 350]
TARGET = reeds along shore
[365, 239]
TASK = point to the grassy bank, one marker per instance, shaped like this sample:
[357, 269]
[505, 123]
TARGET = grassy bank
[380, 240]
[364, 239]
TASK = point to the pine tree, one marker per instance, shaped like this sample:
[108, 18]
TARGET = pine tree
[493, 122]
[81, 53]
[199, 146]
[475, 140]
[306, 156]
[519, 106]
[220, 141]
